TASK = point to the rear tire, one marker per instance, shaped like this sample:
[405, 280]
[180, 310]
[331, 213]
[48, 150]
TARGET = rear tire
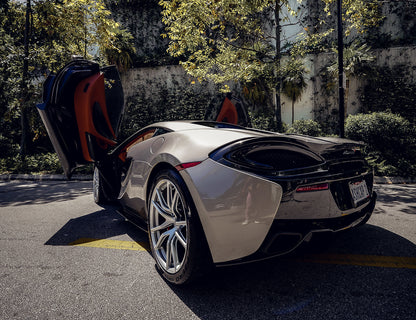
[176, 237]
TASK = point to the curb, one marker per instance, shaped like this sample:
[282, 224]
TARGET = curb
[45, 177]
[88, 177]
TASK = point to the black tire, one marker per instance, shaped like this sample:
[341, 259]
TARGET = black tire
[365, 220]
[176, 238]
[100, 192]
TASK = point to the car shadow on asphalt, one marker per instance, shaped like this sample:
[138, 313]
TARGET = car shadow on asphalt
[102, 224]
[286, 287]
[289, 287]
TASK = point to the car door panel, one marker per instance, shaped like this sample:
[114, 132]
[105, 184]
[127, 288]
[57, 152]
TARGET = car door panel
[82, 110]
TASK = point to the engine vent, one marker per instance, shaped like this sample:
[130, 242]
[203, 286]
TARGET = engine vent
[272, 158]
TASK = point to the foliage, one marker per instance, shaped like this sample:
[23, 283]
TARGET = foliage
[58, 30]
[404, 20]
[360, 15]
[240, 40]
[357, 60]
[393, 89]
[38, 163]
[121, 55]
[263, 120]
[227, 40]
[390, 141]
[143, 19]
[179, 103]
[306, 127]
[293, 79]
[220, 40]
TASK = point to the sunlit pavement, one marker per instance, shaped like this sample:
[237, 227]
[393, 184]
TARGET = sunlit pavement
[63, 257]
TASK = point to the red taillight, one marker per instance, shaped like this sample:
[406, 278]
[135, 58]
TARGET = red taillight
[187, 165]
[315, 187]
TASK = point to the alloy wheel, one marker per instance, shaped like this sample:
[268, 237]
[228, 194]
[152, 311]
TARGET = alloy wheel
[168, 224]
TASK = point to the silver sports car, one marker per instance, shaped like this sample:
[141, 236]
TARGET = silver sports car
[207, 192]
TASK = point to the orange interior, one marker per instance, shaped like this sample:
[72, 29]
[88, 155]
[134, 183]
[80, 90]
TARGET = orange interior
[89, 92]
[228, 113]
[146, 135]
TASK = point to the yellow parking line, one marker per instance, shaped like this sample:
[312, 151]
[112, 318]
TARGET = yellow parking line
[111, 244]
[360, 260]
[332, 258]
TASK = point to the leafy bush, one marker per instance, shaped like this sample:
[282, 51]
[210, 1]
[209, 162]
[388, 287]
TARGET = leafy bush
[263, 120]
[39, 163]
[306, 127]
[390, 139]
[7, 147]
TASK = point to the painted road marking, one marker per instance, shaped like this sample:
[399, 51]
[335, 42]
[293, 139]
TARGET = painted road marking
[111, 244]
[333, 258]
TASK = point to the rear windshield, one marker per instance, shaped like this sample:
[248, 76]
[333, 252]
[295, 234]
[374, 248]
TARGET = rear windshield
[218, 125]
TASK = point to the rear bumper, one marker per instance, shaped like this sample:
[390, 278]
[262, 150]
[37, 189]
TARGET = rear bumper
[285, 236]
[244, 215]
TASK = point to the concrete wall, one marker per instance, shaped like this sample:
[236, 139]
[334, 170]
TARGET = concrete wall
[313, 100]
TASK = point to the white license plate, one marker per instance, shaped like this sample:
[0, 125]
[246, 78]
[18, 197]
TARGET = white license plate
[359, 191]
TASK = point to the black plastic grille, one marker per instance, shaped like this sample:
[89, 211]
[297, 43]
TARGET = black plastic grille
[347, 166]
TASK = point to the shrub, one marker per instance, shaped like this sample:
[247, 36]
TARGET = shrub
[263, 120]
[39, 163]
[390, 140]
[306, 127]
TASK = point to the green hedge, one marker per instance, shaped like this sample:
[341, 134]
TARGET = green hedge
[390, 140]
[306, 127]
[39, 163]
[47, 163]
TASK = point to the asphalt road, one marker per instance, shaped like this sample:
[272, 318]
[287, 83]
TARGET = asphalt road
[368, 273]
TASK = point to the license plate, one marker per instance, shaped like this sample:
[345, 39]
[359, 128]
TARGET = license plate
[359, 191]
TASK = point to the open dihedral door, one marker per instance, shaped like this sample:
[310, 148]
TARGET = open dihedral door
[82, 109]
[231, 111]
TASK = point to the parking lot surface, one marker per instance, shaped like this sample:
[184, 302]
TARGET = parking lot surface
[64, 257]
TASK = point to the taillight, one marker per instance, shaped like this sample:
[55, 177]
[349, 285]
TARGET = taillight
[315, 187]
[187, 165]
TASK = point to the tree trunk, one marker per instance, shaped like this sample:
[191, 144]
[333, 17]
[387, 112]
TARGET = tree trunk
[340, 70]
[293, 109]
[278, 106]
[24, 85]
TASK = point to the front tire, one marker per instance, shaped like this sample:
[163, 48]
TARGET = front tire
[175, 234]
[99, 189]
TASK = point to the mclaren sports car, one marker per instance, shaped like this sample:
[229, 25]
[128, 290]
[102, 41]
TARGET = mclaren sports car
[208, 192]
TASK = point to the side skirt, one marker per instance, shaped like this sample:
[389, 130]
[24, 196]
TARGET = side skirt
[134, 218]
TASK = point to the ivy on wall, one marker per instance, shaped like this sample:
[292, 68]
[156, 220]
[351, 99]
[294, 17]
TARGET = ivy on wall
[143, 19]
[166, 103]
[390, 89]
